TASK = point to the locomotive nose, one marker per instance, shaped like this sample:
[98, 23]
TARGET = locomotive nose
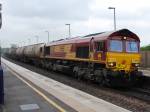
[126, 62]
[123, 62]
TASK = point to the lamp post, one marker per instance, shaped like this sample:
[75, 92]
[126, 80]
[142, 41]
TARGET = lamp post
[37, 38]
[22, 43]
[114, 16]
[47, 35]
[1, 70]
[29, 41]
[69, 30]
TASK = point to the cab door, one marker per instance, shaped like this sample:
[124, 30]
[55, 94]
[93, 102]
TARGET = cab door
[91, 49]
[100, 50]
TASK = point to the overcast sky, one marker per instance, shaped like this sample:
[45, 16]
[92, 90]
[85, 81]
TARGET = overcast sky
[25, 19]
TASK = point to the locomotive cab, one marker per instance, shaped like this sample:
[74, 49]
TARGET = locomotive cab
[123, 54]
[123, 57]
[115, 57]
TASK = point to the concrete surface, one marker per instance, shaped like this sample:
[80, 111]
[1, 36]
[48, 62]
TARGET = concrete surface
[146, 72]
[19, 97]
[80, 101]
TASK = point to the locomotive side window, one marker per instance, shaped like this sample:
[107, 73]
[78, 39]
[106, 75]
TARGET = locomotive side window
[82, 52]
[99, 46]
[47, 50]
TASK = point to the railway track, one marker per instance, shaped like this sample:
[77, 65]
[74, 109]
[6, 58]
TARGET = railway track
[137, 93]
[140, 93]
[143, 91]
[134, 99]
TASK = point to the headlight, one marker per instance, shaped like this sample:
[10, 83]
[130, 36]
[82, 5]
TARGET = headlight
[135, 64]
[111, 64]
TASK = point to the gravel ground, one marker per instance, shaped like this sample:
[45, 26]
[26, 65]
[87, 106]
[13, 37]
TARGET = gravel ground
[114, 96]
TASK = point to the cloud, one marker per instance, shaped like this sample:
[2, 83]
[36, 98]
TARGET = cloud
[54, 10]
[23, 19]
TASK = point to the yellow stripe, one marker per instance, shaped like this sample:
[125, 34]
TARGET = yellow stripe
[39, 92]
[74, 59]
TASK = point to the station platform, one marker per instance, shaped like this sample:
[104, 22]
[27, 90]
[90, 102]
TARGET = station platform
[19, 97]
[31, 92]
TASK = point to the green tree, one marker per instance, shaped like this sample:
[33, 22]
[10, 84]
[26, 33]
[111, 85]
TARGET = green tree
[145, 48]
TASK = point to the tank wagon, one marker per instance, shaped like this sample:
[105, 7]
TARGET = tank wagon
[19, 52]
[10, 52]
[110, 58]
[29, 53]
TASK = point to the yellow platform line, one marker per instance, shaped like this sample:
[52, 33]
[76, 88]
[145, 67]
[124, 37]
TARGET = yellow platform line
[37, 91]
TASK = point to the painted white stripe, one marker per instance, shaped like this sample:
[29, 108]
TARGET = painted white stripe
[29, 107]
[39, 92]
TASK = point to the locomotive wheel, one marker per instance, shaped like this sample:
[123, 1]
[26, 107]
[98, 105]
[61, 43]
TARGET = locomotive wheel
[80, 74]
[50, 67]
[75, 74]
[138, 78]
[106, 81]
[54, 67]
[75, 71]
[99, 77]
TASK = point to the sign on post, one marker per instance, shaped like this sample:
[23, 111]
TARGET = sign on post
[0, 16]
[1, 70]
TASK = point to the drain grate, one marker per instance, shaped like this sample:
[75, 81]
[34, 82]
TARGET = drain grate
[29, 107]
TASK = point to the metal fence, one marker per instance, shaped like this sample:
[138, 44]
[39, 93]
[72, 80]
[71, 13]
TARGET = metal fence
[145, 58]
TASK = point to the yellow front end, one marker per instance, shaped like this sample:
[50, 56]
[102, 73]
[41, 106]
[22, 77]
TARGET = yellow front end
[123, 61]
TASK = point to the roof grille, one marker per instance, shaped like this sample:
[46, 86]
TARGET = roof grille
[94, 34]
